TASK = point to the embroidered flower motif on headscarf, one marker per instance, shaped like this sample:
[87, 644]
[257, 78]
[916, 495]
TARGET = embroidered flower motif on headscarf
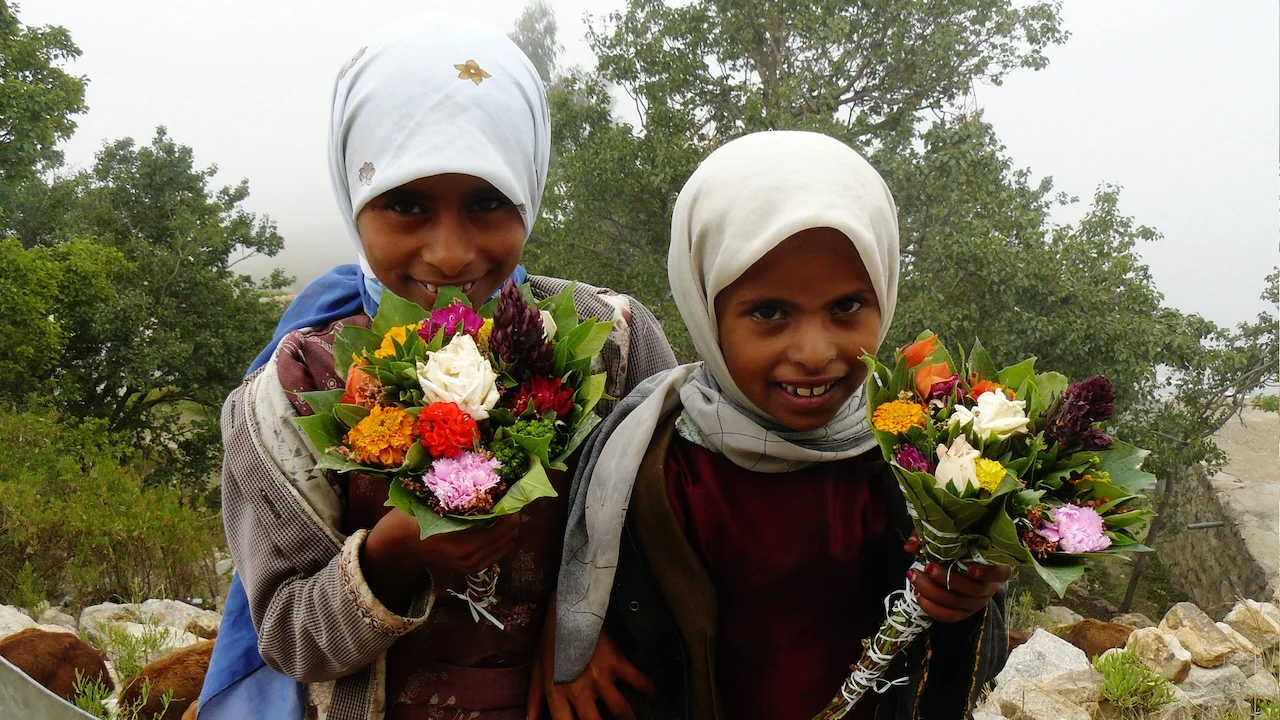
[366, 173]
[470, 70]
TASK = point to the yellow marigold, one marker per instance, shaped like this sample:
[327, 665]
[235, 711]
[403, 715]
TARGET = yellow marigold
[382, 437]
[990, 473]
[398, 334]
[898, 416]
[482, 335]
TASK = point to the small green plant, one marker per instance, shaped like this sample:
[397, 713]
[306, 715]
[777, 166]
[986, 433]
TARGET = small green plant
[90, 695]
[1270, 403]
[1024, 616]
[1130, 686]
[131, 652]
[1266, 710]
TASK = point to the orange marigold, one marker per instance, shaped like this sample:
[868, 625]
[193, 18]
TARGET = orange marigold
[382, 437]
[899, 416]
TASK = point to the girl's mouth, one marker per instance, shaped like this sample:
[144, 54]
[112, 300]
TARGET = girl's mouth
[809, 396]
[465, 287]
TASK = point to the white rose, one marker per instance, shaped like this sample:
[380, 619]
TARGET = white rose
[994, 414]
[956, 465]
[458, 373]
[548, 326]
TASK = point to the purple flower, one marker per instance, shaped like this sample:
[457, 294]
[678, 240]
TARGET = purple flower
[910, 458]
[1081, 405]
[1076, 529]
[450, 318]
[464, 484]
[1095, 439]
[942, 390]
[518, 338]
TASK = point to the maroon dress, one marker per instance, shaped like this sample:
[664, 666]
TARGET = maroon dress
[797, 560]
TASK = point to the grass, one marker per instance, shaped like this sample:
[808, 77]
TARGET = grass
[1130, 686]
[130, 652]
[92, 696]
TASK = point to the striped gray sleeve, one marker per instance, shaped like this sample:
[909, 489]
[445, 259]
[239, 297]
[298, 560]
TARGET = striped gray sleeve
[315, 615]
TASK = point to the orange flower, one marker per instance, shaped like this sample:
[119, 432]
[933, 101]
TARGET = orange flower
[382, 437]
[927, 375]
[362, 388]
[898, 416]
[919, 351]
[985, 386]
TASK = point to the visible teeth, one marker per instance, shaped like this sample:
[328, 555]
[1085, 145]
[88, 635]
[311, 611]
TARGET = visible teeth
[435, 288]
[807, 392]
[467, 288]
[431, 288]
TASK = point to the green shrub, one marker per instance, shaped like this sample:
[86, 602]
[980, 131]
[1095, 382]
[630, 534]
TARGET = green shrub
[1130, 686]
[91, 694]
[1025, 616]
[75, 510]
[1269, 402]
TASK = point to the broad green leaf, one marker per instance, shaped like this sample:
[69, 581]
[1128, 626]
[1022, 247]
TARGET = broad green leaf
[350, 342]
[535, 484]
[1013, 376]
[1059, 575]
[1123, 462]
[1127, 519]
[429, 522]
[537, 447]
[448, 295]
[594, 341]
[588, 423]
[394, 311]
[563, 310]
[980, 362]
[1050, 385]
[350, 415]
[322, 430]
[591, 392]
[321, 401]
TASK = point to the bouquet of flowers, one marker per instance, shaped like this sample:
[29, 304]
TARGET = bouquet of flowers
[999, 467]
[462, 411]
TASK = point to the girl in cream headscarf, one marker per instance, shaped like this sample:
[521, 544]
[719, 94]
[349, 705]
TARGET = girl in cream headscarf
[733, 529]
[438, 153]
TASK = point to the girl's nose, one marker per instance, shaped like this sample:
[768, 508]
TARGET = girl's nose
[814, 347]
[449, 247]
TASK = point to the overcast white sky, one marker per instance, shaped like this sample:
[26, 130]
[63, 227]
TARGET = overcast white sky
[1177, 101]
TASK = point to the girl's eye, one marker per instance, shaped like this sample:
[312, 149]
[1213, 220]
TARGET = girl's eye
[489, 202]
[847, 306]
[767, 313]
[405, 207]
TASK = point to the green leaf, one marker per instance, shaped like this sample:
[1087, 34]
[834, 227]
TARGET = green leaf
[1013, 376]
[1123, 462]
[322, 430]
[1127, 519]
[350, 415]
[535, 484]
[594, 341]
[350, 342]
[980, 362]
[1049, 385]
[563, 310]
[321, 401]
[1059, 576]
[395, 311]
[586, 424]
[537, 447]
[590, 392]
[429, 522]
[448, 295]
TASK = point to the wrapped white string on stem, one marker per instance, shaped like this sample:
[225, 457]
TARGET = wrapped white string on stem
[482, 593]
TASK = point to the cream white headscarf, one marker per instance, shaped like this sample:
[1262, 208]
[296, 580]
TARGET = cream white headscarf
[434, 97]
[743, 201]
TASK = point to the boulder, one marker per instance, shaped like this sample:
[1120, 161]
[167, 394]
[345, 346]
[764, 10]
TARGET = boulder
[1095, 637]
[1026, 699]
[53, 659]
[181, 616]
[1209, 646]
[1270, 610]
[1214, 690]
[96, 617]
[1059, 615]
[1261, 685]
[1161, 652]
[1043, 654]
[1082, 687]
[1179, 708]
[181, 671]
[1133, 620]
[1016, 639]
[1250, 620]
[1246, 657]
[54, 616]
[13, 620]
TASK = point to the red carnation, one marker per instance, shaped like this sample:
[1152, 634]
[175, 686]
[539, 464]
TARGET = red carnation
[546, 394]
[446, 430]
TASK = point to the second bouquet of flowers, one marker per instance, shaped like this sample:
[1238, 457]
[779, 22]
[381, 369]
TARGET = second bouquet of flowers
[463, 411]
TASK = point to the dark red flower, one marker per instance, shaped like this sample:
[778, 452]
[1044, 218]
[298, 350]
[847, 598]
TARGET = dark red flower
[1081, 405]
[517, 337]
[446, 430]
[546, 395]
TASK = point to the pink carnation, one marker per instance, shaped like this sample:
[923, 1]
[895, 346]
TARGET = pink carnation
[450, 318]
[465, 483]
[1076, 530]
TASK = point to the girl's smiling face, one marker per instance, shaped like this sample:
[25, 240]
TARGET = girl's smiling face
[442, 230]
[794, 326]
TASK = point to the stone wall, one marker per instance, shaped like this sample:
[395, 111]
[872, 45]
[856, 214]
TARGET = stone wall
[1216, 566]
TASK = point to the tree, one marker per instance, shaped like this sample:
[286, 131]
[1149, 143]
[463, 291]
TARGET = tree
[157, 354]
[535, 34]
[37, 102]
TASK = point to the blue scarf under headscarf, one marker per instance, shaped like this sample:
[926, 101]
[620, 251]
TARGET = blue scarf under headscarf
[239, 684]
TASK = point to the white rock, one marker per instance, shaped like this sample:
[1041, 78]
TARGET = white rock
[54, 616]
[1261, 686]
[95, 617]
[1133, 620]
[57, 628]
[181, 616]
[1214, 690]
[1059, 615]
[1270, 610]
[1179, 708]
[1250, 620]
[13, 620]
[986, 715]
[1026, 699]
[1161, 652]
[224, 566]
[1042, 654]
[1209, 646]
[1246, 657]
[170, 639]
[1081, 687]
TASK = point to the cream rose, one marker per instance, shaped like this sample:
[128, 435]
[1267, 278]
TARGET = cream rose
[548, 326]
[994, 414]
[458, 373]
[956, 465]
